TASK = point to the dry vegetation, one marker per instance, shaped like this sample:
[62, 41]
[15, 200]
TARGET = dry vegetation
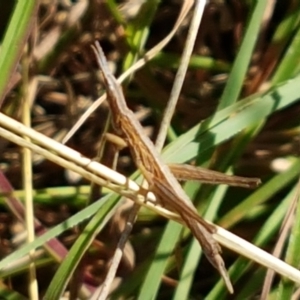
[57, 70]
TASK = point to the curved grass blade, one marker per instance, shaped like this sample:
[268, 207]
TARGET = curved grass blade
[230, 121]
[55, 231]
[68, 266]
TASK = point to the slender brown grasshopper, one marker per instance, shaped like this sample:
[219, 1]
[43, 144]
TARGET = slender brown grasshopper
[161, 180]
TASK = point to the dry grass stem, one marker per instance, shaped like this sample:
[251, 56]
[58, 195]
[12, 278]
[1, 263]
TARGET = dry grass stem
[223, 236]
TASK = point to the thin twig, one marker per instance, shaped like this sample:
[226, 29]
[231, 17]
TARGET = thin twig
[186, 6]
[287, 224]
[103, 291]
[181, 72]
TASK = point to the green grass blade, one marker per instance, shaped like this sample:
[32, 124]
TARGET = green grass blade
[249, 290]
[287, 287]
[8, 294]
[289, 65]
[55, 231]
[68, 266]
[241, 63]
[195, 252]
[138, 30]
[113, 7]
[261, 195]
[15, 37]
[230, 121]
[171, 60]
[152, 280]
